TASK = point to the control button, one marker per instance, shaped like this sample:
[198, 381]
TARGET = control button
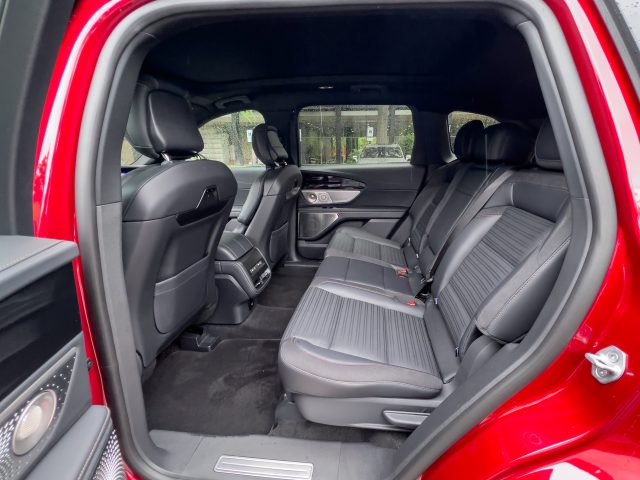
[312, 197]
[324, 197]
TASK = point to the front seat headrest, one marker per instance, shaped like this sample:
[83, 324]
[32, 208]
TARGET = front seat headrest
[161, 122]
[267, 145]
[469, 142]
[509, 144]
[547, 153]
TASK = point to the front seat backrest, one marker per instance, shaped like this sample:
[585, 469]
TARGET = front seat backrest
[265, 215]
[173, 214]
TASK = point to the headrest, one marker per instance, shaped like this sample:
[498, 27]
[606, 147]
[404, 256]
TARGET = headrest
[507, 143]
[161, 121]
[547, 154]
[267, 145]
[469, 142]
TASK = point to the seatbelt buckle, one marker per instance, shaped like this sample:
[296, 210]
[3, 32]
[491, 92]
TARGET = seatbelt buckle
[425, 291]
[424, 281]
[402, 272]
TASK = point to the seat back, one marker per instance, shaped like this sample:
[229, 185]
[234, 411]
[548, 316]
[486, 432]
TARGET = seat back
[503, 146]
[468, 147]
[174, 213]
[498, 273]
[265, 216]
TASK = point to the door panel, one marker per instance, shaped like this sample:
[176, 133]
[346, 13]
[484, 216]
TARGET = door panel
[245, 177]
[371, 197]
[45, 400]
[68, 459]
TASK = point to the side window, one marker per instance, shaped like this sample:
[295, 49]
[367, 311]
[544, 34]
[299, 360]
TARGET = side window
[228, 138]
[128, 155]
[355, 134]
[457, 119]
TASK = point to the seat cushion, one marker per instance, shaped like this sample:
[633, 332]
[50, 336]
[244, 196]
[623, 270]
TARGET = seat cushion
[342, 342]
[360, 244]
[375, 277]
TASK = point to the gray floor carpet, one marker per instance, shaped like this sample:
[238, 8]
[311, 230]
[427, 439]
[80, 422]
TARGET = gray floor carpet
[235, 388]
[232, 390]
[287, 286]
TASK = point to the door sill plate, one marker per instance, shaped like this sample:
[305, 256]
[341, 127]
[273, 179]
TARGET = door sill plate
[262, 467]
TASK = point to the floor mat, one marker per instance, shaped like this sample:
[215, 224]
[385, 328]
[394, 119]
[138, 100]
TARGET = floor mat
[286, 287]
[232, 390]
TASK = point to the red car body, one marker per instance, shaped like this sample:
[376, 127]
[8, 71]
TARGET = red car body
[542, 432]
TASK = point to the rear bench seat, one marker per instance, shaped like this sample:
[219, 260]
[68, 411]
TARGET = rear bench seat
[507, 147]
[401, 252]
[370, 357]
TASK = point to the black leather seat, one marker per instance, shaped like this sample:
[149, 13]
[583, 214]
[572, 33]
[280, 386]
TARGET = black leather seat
[368, 354]
[507, 147]
[400, 251]
[173, 214]
[265, 215]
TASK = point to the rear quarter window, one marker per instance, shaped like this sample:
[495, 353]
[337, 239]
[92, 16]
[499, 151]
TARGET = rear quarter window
[128, 155]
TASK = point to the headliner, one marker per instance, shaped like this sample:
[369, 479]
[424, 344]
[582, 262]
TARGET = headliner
[436, 60]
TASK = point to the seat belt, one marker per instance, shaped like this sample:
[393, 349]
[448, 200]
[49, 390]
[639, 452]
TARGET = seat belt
[470, 212]
[453, 184]
[425, 180]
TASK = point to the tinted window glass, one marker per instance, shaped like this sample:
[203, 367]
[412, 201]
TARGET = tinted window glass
[128, 155]
[355, 134]
[228, 138]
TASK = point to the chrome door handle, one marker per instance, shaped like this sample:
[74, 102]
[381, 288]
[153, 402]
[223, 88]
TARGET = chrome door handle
[608, 364]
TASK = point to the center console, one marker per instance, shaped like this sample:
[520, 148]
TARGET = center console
[241, 273]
